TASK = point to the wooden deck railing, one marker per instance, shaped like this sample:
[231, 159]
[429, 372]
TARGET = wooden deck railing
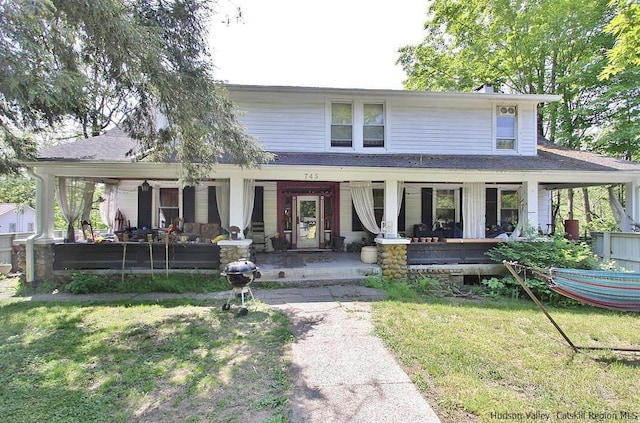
[621, 247]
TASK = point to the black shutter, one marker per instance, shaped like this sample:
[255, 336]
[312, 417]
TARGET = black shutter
[213, 216]
[356, 224]
[492, 207]
[427, 206]
[402, 215]
[189, 204]
[258, 205]
[144, 207]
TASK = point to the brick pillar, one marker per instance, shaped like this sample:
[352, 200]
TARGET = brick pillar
[232, 250]
[392, 257]
[43, 260]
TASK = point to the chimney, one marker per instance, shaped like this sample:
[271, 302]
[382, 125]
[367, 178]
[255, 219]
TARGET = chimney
[485, 88]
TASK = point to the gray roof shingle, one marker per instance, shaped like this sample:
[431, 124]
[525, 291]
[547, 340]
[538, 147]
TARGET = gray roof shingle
[116, 146]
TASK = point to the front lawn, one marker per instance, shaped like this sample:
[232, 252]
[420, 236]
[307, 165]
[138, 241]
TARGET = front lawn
[501, 360]
[170, 361]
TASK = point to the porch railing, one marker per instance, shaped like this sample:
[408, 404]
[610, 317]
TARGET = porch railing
[6, 245]
[622, 247]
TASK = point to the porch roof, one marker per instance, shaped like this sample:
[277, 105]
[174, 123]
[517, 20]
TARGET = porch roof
[116, 146]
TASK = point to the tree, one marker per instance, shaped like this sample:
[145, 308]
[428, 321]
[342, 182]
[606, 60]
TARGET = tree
[625, 26]
[523, 46]
[17, 189]
[117, 61]
[533, 46]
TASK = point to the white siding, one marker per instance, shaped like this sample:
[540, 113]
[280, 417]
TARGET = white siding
[127, 201]
[270, 211]
[297, 122]
[285, 122]
[527, 130]
[412, 207]
[544, 210]
[440, 130]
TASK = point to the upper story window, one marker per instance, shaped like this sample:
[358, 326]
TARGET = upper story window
[341, 125]
[357, 125]
[506, 127]
[373, 128]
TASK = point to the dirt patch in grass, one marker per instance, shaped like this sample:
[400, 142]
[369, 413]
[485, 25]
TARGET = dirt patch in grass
[181, 360]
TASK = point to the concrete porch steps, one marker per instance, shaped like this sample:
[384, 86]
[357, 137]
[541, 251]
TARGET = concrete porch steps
[313, 268]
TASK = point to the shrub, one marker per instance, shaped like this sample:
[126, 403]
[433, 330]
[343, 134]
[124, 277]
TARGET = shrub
[546, 253]
[539, 254]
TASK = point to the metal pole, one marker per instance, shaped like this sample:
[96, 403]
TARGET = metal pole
[150, 241]
[509, 266]
[125, 239]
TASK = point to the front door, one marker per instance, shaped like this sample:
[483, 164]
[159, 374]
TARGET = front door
[307, 227]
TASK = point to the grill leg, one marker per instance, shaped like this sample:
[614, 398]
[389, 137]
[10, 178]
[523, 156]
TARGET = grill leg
[247, 290]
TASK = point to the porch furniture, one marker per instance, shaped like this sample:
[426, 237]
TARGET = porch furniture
[87, 231]
[205, 232]
[279, 243]
[337, 244]
[258, 236]
[369, 254]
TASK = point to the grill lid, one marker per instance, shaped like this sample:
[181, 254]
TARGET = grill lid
[239, 267]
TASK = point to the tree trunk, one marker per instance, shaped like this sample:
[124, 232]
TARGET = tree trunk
[570, 203]
[587, 205]
[555, 207]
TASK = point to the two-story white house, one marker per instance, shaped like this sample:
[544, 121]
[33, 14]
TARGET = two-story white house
[350, 163]
[16, 218]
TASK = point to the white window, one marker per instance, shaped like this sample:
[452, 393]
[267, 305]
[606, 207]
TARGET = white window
[445, 207]
[341, 125]
[506, 128]
[12, 227]
[169, 210]
[373, 127]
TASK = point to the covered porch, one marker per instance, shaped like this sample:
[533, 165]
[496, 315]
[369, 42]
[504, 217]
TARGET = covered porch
[314, 200]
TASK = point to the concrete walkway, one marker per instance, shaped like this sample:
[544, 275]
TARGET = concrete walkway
[341, 371]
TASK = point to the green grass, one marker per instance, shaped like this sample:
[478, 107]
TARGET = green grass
[165, 361]
[474, 358]
[86, 283]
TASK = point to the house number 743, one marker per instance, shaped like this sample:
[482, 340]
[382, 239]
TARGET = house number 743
[310, 176]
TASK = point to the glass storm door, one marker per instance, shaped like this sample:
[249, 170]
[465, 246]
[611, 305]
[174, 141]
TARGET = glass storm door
[307, 236]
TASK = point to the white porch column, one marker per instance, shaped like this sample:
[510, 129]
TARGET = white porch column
[632, 206]
[236, 202]
[390, 218]
[45, 202]
[530, 192]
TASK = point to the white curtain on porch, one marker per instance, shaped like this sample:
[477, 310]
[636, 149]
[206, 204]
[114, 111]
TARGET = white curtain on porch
[249, 198]
[474, 210]
[625, 223]
[523, 214]
[109, 207]
[222, 201]
[362, 196]
[71, 196]
[400, 195]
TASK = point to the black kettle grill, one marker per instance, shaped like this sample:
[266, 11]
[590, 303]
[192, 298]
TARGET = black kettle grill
[240, 274]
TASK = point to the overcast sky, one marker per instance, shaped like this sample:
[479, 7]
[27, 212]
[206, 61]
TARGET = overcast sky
[327, 43]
